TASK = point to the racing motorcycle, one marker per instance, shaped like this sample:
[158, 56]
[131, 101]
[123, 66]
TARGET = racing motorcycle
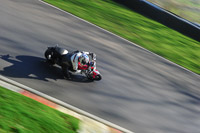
[58, 55]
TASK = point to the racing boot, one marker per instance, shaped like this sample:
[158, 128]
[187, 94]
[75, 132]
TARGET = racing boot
[66, 73]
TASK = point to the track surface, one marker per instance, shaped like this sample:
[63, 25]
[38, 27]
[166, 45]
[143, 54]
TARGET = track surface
[139, 91]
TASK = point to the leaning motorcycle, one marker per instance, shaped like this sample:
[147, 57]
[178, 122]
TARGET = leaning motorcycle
[54, 55]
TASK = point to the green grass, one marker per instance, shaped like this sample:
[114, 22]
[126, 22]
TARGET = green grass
[137, 28]
[23, 115]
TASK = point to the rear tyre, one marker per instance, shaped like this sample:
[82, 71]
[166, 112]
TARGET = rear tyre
[47, 54]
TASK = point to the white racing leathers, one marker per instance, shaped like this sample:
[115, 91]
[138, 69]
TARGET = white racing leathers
[75, 57]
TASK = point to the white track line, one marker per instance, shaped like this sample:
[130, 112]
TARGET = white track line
[61, 103]
[120, 38]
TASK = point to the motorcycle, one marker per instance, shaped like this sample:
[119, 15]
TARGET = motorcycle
[57, 55]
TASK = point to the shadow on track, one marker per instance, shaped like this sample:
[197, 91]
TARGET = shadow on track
[32, 67]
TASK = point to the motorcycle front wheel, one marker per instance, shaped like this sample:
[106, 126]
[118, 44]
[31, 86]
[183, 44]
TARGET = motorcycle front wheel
[98, 77]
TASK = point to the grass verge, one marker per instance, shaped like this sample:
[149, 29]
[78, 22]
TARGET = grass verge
[23, 115]
[136, 28]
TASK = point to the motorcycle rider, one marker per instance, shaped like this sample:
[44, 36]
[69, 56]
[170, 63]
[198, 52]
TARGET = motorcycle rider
[76, 61]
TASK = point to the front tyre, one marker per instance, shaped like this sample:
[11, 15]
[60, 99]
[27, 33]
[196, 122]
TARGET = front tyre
[98, 77]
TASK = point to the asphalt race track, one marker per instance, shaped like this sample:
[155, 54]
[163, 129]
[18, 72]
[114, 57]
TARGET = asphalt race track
[139, 91]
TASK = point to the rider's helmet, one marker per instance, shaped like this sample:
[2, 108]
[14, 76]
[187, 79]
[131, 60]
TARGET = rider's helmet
[84, 59]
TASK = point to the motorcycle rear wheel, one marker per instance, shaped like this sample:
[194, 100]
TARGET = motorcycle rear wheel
[46, 54]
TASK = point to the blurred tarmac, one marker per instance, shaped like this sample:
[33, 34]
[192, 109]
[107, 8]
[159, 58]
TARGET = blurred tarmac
[87, 125]
[140, 90]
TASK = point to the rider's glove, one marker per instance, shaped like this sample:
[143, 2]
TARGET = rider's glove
[93, 55]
